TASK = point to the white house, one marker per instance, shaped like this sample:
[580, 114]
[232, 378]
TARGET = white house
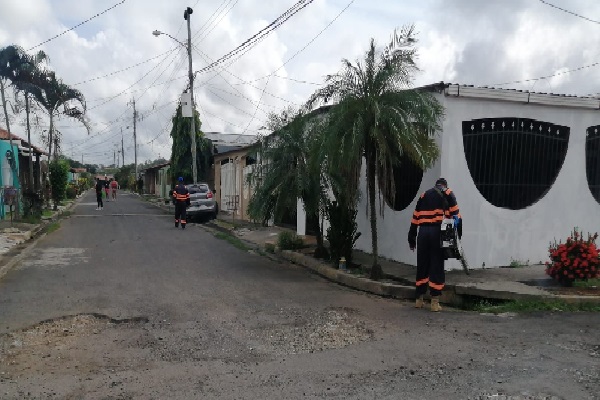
[524, 166]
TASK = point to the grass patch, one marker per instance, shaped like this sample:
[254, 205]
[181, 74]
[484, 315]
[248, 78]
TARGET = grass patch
[52, 227]
[523, 306]
[588, 283]
[47, 213]
[66, 213]
[233, 240]
[30, 219]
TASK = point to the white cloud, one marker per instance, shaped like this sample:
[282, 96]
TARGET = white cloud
[473, 42]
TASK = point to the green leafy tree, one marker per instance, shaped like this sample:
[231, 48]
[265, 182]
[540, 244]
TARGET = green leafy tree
[59, 178]
[378, 117]
[181, 153]
[288, 171]
[123, 176]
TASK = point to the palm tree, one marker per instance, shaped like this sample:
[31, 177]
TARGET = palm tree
[379, 117]
[57, 97]
[289, 171]
[20, 69]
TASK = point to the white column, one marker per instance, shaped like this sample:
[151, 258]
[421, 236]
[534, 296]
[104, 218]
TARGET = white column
[300, 218]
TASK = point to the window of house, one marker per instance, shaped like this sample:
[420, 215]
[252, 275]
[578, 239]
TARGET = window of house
[592, 160]
[407, 181]
[514, 161]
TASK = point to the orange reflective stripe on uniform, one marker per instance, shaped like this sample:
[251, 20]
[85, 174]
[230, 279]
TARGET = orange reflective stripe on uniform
[422, 281]
[448, 191]
[453, 208]
[438, 211]
[438, 218]
[436, 286]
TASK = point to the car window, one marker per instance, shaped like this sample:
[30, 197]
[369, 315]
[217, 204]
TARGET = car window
[197, 188]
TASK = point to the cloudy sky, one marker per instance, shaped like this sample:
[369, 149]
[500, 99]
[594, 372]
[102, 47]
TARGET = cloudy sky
[114, 58]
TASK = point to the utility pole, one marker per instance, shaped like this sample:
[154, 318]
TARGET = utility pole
[187, 16]
[114, 158]
[134, 140]
[122, 148]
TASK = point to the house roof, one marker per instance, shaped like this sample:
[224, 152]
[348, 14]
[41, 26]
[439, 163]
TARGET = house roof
[159, 166]
[78, 170]
[4, 136]
[515, 95]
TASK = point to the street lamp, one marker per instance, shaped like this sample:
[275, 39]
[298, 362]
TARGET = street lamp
[186, 15]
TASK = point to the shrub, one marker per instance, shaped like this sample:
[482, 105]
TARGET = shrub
[59, 171]
[287, 240]
[341, 233]
[576, 259]
[269, 247]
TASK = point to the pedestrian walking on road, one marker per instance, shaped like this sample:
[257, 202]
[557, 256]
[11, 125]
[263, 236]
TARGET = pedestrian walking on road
[181, 199]
[99, 188]
[107, 188]
[432, 207]
[113, 188]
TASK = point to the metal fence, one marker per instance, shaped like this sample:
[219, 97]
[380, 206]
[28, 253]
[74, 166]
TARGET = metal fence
[10, 203]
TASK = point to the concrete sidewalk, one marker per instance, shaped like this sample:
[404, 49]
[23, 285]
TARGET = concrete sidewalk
[16, 238]
[521, 283]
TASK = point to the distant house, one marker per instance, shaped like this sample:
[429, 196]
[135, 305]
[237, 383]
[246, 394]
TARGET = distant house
[157, 180]
[15, 164]
[231, 169]
[75, 174]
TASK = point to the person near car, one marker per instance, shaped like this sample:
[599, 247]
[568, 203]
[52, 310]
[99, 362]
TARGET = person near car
[99, 188]
[181, 199]
[114, 185]
[432, 207]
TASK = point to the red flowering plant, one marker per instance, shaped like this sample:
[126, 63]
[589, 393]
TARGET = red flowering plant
[576, 259]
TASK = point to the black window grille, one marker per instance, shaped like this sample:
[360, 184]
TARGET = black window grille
[514, 161]
[407, 181]
[592, 160]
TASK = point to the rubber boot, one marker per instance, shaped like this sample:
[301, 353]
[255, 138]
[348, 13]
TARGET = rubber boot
[176, 224]
[183, 226]
[419, 303]
[435, 305]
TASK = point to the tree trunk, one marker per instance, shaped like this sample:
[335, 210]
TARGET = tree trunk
[376, 271]
[32, 184]
[50, 138]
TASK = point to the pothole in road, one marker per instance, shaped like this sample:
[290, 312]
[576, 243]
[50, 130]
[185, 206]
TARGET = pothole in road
[28, 345]
[332, 328]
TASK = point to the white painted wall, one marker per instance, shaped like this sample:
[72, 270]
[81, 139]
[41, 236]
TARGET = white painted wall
[494, 235]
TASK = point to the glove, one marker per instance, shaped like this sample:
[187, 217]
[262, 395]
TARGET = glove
[412, 242]
[458, 225]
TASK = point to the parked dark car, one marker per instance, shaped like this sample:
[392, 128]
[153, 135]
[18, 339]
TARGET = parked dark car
[202, 202]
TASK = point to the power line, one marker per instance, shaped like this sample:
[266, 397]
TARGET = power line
[569, 12]
[253, 40]
[121, 70]
[77, 26]
[549, 76]
[295, 54]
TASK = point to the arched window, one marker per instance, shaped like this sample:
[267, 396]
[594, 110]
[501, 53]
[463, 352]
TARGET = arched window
[407, 181]
[592, 160]
[514, 161]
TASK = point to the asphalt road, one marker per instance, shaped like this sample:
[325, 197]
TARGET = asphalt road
[119, 304]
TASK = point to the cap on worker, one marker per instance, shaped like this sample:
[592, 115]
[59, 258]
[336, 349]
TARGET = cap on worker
[441, 181]
[180, 179]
